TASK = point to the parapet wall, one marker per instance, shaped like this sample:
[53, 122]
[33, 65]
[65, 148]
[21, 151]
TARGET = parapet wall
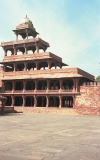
[88, 102]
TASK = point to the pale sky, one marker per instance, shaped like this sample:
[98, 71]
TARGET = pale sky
[71, 27]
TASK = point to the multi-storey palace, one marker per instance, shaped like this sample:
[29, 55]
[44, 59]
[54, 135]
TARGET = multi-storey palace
[37, 79]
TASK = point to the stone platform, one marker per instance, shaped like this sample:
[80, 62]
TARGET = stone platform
[35, 136]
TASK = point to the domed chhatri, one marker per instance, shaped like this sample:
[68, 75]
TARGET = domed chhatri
[26, 20]
[25, 29]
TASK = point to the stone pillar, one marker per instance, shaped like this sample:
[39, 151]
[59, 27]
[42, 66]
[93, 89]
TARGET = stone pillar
[23, 100]
[73, 101]
[5, 52]
[16, 36]
[13, 100]
[49, 65]
[77, 80]
[25, 50]
[74, 84]
[37, 47]
[60, 85]
[25, 66]
[24, 86]
[13, 86]
[48, 85]
[55, 66]
[60, 101]
[27, 33]
[36, 65]
[4, 67]
[47, 102]
[36, 86]
[14, 67]
[35, 101]
[15, 51]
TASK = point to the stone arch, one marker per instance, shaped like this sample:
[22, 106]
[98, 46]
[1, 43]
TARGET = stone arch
[18, 101]
[57, 85]
[8, 86]
[51, 85]
[40, 85]
[9, 68]
[19, 86]
[8, 101]
[28, 101]
[57, 102]
[20, 67]
[51, 102]
[70, 102]
[68, 84]
[29, 86]
[31, 66]
[44, 102]
[39, 101]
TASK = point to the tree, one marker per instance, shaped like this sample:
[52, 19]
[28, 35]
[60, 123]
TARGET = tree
[97, 79]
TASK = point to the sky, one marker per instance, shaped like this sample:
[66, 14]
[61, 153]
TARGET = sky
[71, 27]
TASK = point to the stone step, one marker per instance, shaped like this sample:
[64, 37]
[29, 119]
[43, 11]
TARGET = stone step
[54, 110]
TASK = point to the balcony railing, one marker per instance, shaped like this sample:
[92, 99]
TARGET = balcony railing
[40, 91]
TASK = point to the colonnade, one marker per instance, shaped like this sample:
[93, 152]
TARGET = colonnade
[40, 101]
[30, 66]
[23, 48]
[61, 84]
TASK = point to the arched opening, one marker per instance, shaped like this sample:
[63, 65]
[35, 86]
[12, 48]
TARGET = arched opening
[9, 68]
[64, 102]
[20, 67]
[44, 102]
[57, 85]
[19, 86]
[51, 102]
[9, 53]
[39, 101]
[8, 101]
[40, 86]
[18, 101]
[33, 86]
[51, 86]
[29, 86]
[8, 86]
[57, 102]
[28, 101]
[52, 65]
[43, 65]
[31, 66]
[45, 85]
[70, 102]
[68, 84]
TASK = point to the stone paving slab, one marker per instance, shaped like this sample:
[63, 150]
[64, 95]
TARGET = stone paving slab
[49, 137]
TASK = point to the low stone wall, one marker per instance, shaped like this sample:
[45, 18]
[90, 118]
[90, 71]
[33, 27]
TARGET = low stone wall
[88, 102]
[8, 109]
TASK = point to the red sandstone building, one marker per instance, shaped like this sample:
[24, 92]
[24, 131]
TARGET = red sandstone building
[38, 79]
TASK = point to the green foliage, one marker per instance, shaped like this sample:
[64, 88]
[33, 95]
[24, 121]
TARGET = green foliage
[98, 79]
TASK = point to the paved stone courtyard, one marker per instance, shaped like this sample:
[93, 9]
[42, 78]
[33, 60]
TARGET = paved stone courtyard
[49, 137]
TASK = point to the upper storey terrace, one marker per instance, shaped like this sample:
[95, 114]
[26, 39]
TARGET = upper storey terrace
[25, 30]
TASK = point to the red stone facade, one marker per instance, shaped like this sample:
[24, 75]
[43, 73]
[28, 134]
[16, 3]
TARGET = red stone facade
[39, 79]
[88, 102]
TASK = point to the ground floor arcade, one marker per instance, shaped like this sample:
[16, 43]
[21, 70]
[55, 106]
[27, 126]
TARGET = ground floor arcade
[40, 101]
